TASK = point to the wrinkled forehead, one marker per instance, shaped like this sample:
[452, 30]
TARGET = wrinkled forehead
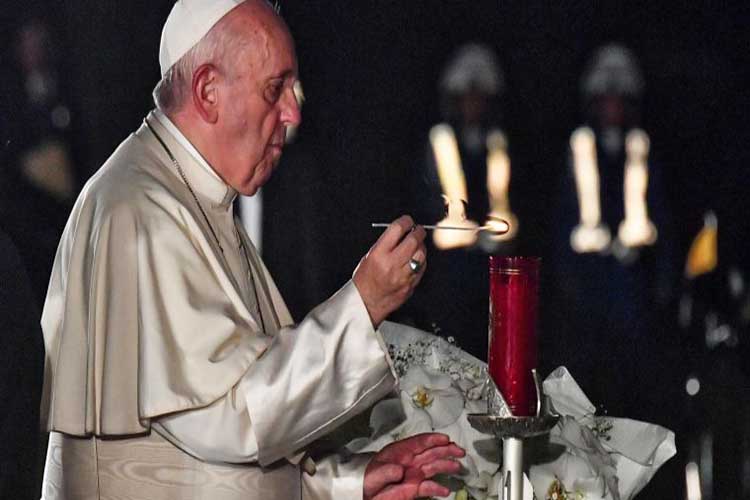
[268, 41]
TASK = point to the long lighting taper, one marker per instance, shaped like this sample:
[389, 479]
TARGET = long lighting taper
[494, 226]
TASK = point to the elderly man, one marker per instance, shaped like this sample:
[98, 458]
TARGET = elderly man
[173, 369]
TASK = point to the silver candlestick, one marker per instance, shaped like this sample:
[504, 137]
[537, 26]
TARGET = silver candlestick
[512, 431]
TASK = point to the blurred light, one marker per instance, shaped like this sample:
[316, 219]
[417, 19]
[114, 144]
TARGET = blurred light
[636, 230]
[496, 226]
[692, 481]
[703, 255]
[736, 282]
[589, 235]
[692, 386]
[61, 117]
[299, 93]
[448, 159]
[453, 183]
[583, 145]
[456, 217]
[707, 465]
[722, 334]
[498, 180]
[685, 315]
[290, 134]
[589, 239]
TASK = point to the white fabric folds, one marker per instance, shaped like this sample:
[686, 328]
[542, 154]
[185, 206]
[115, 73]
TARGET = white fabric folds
[145, 317]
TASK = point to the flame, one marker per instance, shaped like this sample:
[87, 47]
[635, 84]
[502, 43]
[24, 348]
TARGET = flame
[456, 217]
[496, 226]
[453, 182]
[498, 180]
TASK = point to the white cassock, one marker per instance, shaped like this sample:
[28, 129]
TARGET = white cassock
[173, 369]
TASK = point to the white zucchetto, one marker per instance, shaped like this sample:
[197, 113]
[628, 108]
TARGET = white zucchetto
[473, 66]
[613, 69]
[188, 22]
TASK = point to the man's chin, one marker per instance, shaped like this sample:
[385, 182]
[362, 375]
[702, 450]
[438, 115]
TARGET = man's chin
[258, 181]
[248, 191]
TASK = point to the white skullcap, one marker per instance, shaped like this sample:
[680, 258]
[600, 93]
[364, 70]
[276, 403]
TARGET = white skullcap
[472, 66]
[613, 69]
[187, 24]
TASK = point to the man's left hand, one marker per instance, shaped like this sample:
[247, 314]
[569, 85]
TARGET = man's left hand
[402, 470]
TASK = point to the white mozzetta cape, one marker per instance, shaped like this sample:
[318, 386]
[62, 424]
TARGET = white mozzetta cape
[144, 316]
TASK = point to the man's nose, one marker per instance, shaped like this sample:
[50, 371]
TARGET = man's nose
[290, 110]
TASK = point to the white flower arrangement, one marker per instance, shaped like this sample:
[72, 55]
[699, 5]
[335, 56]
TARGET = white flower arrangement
[603, 457]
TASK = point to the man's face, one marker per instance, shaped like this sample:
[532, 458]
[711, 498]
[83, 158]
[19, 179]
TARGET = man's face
[473, 106]
[258, 106]
[611, 110]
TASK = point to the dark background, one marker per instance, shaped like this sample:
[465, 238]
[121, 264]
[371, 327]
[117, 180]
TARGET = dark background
[370, 68]
[369, 71]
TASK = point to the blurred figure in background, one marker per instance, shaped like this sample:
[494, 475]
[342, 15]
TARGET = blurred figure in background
[463, 181]
[714, 319]
[21, 362]
[611, 263]
[38, 180]
[611, 266]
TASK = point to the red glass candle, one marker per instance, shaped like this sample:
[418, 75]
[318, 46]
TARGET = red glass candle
[514, 292]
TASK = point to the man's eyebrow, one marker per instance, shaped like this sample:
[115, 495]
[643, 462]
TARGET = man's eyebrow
[283, 75]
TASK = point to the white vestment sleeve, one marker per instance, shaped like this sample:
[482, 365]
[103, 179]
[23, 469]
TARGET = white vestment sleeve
[312, 378]
[315, 376]
[220, 432]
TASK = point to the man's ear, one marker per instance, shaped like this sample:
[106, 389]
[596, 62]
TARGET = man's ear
[205, 92]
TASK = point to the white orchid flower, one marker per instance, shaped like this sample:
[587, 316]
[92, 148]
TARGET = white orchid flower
[434, 393]
[391, 420]
[574, 472]
[483, 450]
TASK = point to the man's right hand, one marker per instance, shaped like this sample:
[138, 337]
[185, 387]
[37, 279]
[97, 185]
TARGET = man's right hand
[384, 277]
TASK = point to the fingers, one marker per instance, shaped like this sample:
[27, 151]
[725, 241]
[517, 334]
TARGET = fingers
[444, 466]
[408, 246]
[432, 489]
[394, 233]
[412, 490]
[384, 278]
[438, 453]
[427, 440]
[402, 238]
[413, 446]
[378, 475]
[406, 491]
[401, 470]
